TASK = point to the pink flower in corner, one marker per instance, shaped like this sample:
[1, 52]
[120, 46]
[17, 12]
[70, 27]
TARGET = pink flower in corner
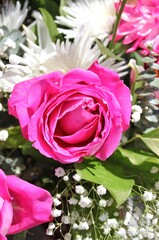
[139, 25]
[22, 205]
[71, 116]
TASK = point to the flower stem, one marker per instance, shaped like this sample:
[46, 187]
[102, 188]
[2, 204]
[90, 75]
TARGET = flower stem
[117, 22]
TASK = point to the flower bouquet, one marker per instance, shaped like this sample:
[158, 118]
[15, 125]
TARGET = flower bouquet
[79, 120]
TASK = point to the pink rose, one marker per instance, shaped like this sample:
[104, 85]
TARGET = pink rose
[70, 116]
[22, 205]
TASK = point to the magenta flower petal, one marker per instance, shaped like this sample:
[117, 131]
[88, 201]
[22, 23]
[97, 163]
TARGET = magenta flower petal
[84, 115]
[31, 204]
[139, 25]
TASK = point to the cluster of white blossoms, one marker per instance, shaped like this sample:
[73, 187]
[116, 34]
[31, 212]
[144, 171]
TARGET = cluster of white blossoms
[86, 209]
[136, 113]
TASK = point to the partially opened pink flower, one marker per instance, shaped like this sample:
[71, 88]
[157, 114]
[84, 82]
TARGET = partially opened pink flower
[22, 205]
[73, 115]
[139, 25]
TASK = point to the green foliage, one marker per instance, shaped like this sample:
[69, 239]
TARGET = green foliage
[15, 139]
[50, 23]
[105, 51]
[20, 236]
[151, 140]
[109, 174]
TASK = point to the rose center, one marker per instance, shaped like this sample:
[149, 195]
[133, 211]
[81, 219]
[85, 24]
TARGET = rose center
[79, 115]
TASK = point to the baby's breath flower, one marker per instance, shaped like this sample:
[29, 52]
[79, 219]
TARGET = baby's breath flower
[3, 135]
[136, 108]
[132, 231]
[66, 178]
[148, 196]
[121, 232]
[49, 232]
[154, 170]
[68, 236]
[56, 202]
[112, 222]
[106, 230]
[110, 202]
[76, 177]
[58, 195]
[56, 213]
[83, 225]
[148, 216]
[66, 219]
[85, 202]
[101, 190]
[78, 237]
[103, 217]
[73, 201]
[79, 189]
[51, 226]
[59, 172]
[75, 226]
[1, 107]
[102, 203]
[135, 117]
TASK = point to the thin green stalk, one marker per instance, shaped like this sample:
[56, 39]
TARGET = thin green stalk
[117, 22]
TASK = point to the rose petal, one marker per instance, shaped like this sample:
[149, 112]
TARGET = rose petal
[31, 204]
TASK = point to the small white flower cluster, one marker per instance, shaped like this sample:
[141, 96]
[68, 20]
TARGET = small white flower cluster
[136, 113]
[3, 135]
[91, 211]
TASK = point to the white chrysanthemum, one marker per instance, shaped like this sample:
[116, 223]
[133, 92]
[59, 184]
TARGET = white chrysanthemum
[98, 17]
[12, 16]
[47, 56]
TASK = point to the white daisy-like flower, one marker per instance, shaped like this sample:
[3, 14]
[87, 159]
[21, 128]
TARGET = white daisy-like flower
[12, 15]
[98, 17]
[47, 56]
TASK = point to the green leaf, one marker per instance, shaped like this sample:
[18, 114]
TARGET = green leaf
[50, 23]
[151, 140]
[106, 51]
[109, 175]
[138, 165]
[20, 236]
[14, 140]
[138, 158]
